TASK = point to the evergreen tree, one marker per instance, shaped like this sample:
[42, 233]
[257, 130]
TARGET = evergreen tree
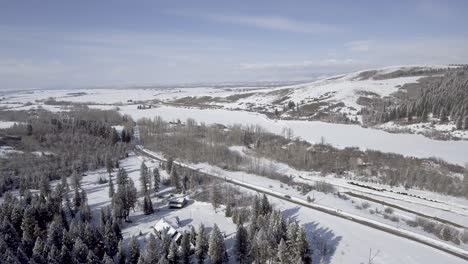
[126, 196]
[38, 252]
[175, 180]
[144, 179]
[216, 249]
[265, 204]
[459, 123]
[134, 251]
[443, 115]
[107, 259]
[111, 240]
[163, 261]
[80, 251]
[55, 233]
[157, 179]
[111, 187]
[147, 205]
[228, 212]
[283, 256]
[302, 246]
[193, 235]
[23, 258]
[76, 180]
[92, 258]
[151, 250]
[173, 255]
[169, 163]
[109, 166]
[185, 248]
[215, 196]
[201, 245]
[242, 245]
[65, 255]
[115, 136]
[465, 123]
[121, 256]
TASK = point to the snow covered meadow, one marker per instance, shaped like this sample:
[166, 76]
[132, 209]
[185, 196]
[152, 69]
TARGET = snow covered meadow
[339, 135]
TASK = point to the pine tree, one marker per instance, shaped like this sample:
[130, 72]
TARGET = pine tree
[292, 232]
[55, 233]
[242, 245]
[175, 180]
[111, 187]
[283, 256]
[65, 255]
[54, 256]
[80, 251]
[126, 196]
[38, 251]
[169, 164]
[216, 249]
[144, 179]
[459, 123]
[151, 250]
[443, 115]
[185, 248]
[228, 212]
[215, 196]
[157, 179]
[302, 246]
[92, 258]
[64, 183]
[163, 261]
[28, 227]
[173, 255]
[115, 136]
[109, 166]
[265, 204]
[134, 251]
[147, 205]
[201, 245]
[193, 235]
[121, 256]
[111, 241]
[76, 180]
[107, 260]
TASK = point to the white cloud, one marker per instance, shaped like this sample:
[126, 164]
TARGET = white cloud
[303, 64]
[270, 22]
[274, 23]
[358, 45]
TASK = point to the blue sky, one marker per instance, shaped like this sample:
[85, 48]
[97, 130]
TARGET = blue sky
[53, 44]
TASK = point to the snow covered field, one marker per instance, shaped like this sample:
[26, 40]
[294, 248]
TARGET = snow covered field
[339, 135]
[6, 124]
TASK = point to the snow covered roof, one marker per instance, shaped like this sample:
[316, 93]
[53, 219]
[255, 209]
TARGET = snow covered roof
[162, 226]
[178, 200]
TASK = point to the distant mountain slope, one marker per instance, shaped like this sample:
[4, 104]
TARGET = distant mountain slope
[369, 98]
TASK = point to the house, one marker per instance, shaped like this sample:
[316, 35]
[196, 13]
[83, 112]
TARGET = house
[163, 226]
[177, 203]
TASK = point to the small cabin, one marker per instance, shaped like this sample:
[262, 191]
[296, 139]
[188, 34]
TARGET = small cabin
[163, 226]
[177, 203]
